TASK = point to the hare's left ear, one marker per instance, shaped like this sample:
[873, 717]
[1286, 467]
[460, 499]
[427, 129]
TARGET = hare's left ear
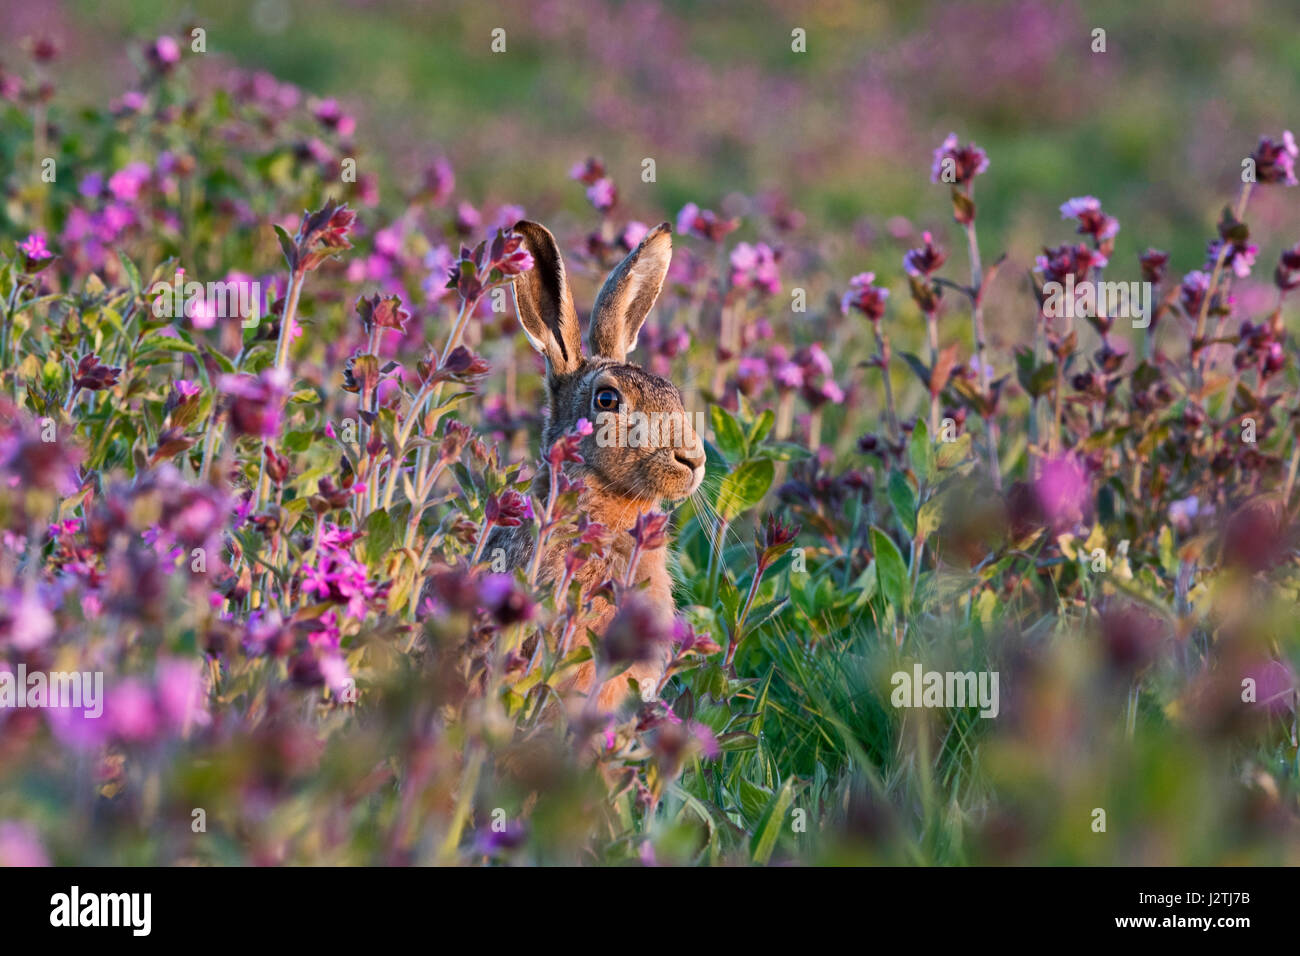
[629, 293]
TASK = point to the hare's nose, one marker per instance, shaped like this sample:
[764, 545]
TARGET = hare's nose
[691, 460]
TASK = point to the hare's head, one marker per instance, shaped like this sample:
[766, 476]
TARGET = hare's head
[644, 447]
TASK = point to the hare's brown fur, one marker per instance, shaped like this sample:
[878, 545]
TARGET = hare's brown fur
[621, 483]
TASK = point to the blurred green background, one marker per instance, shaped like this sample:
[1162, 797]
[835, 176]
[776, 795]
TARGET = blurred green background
[1156, 126]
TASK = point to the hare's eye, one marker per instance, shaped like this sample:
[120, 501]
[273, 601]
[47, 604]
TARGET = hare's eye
[607, 399]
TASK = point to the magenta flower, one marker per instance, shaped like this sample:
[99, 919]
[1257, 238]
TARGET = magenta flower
[650, 530]
[1092, 221]
[256, 402]
[27, 621]
[788, 375]
[568, 447]
[1061, 488]
[468, 218]
[1275, 162]
[924, 261]
[132, 711]
[127, 183]
[1067, 260]
[164, 53]
[1287, 275]
[704, 224]
[181, 697]
[865, 296]
[1238, 256]
[509, 509]
[633, 233]
[20, 846]
[954, 163]
[602, 194]
[588, 171]
[755, 267]
[93, 375]
[439, 180]
[1192, 291]
[330, 114]
[1153, 264]
[34, 250]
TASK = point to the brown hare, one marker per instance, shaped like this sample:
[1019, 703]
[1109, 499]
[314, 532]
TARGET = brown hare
[623, 480]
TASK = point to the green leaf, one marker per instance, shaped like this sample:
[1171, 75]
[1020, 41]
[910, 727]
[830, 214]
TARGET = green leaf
[928, 518]
[891, 569]
[132, 273]
[903, 498]
[920, 451]
[916, 365]
[744, 488]
[866, 585]
[381, 534]
[951, 453]
[157, 342]
[287, 246]
[761, 427]
[782, 451]
[728, 434]
[737, 740]
[771, 823]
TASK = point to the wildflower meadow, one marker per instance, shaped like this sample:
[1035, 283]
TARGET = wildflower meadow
[648, 434]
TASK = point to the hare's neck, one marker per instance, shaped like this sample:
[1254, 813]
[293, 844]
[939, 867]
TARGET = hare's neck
[619, 515]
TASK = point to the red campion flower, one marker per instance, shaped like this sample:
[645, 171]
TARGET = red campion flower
[650, 531]
[775, 540]
[1154, 264]
[94, 376]
[865, 296]
[322, 234]
[963, 163]
[385, 313]
[508, 510]
[1287, 274]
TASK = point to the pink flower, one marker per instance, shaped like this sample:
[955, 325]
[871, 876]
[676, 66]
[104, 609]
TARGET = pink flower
[866, 297]
[334, 671]
[1194, 287]
[588, 171]
[20, 846]
[633, 233]
[131, 711]
[180, 693]
[331, 115]
[1275, 162]
[164, 52]
[34, 248]
[954, 163]
[704, 223]
[755, 267]
[924, 261]
[30, 622]
[788, 375]
[126, 183]
[439, 180]
[602, 194]
[1239, 256]
[1092, 221]
[1061, 488]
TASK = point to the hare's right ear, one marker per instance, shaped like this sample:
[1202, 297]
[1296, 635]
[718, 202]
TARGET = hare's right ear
[545, 303]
